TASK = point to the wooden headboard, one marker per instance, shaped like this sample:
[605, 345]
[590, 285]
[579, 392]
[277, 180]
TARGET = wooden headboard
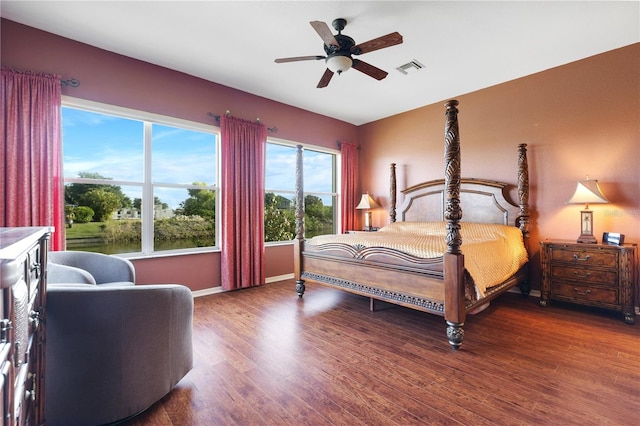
[482, 201]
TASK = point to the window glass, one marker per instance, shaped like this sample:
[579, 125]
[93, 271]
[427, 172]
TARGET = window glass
[107, 194]
[280, 167]
[319, 172]
[92, 224]
[320, 192]
[183, 156]
[100, 145]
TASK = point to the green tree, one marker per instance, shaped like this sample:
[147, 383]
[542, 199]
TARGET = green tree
[314, 207]
[318, 219]
[103, 203]
[279, 218]
[82, 194]
[83, 214]
[157, 202]
[137, 203]
[201, 202]
[74, 192]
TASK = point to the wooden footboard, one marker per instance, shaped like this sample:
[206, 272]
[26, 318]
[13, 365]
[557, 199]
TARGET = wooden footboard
[431, 285]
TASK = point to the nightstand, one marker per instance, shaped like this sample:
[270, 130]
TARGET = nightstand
[598, 275]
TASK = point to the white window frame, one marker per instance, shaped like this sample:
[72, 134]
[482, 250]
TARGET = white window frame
[338, 178]
[147, 183]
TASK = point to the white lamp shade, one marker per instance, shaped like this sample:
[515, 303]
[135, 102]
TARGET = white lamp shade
[588, 192]
[366, 202]
[339, 63]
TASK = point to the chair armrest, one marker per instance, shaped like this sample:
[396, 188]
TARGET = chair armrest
[133, 344]
[104, 268]
[68, 274]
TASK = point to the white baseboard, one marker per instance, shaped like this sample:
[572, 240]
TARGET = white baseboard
[279, 278]
[218, 289]
[207, 291]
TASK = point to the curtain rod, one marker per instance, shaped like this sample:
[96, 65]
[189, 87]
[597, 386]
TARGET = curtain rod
[228, 113]
[70, 82]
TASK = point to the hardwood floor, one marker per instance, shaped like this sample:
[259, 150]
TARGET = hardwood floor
[264, 357]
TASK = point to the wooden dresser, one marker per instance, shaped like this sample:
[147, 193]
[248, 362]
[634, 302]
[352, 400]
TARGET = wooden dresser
[598, 275]
[23, 261]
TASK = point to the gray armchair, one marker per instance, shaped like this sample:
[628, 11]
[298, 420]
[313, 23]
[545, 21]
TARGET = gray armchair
[89, 268]
[113, 350]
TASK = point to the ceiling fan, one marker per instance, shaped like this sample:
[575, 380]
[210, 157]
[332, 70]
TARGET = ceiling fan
[340, 48]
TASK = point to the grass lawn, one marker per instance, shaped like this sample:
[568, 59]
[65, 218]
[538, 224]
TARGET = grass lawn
[84, 230]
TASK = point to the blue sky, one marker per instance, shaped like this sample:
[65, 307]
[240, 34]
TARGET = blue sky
[113, 147]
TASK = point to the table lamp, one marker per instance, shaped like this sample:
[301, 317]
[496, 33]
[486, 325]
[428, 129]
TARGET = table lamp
[587, 192]
[367, 203]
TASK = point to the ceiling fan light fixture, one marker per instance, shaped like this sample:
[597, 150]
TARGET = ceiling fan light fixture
[339, 63]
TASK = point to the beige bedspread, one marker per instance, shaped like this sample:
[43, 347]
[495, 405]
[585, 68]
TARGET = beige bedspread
[492, 252]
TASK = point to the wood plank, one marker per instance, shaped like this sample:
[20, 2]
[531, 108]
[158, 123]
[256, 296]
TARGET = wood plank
[265, 356]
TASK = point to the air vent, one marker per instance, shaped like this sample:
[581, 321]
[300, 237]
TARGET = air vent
[410, 67]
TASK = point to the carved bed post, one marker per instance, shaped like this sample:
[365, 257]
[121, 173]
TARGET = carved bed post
[392, 193]
[299, 238]
[523, 201]
[454, 304]
[523, 190]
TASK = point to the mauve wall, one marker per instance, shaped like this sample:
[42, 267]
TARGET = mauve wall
[579, 119]
[118, 80]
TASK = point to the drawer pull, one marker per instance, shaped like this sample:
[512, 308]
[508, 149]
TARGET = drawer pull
[31, 394]
[582, 293]
[35, 268]
[580, 259]
[5, 327]
[34, 318]
[583, 276]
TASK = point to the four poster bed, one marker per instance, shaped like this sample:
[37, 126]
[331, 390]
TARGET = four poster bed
[430, 260]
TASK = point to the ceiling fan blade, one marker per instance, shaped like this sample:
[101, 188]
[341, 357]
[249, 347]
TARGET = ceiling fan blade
[325, 33]
[326, 78]
[369, 69]
[299, 58]
[377, 43]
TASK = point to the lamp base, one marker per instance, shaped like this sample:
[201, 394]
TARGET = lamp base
[586, 227]
[587, 239]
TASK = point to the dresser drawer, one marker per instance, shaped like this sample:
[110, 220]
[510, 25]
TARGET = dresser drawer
[605, 277]
[586, 258]
[577, 293]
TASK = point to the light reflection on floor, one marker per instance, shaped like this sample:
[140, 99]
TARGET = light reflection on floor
[280, 332]
[322, 300]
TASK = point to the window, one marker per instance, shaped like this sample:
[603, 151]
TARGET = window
[136, 182]
[320, 192]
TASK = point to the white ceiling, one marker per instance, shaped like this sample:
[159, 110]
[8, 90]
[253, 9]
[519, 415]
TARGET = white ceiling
[464, 45]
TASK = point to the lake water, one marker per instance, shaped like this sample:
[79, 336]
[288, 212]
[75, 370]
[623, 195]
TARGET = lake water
[120, 248]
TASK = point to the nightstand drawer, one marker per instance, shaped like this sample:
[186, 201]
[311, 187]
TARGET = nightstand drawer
[577, 293]
[586, 258]
[604, 277]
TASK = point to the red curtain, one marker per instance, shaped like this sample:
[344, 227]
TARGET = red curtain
[243, 147]
[350, 196]
[31, 165]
